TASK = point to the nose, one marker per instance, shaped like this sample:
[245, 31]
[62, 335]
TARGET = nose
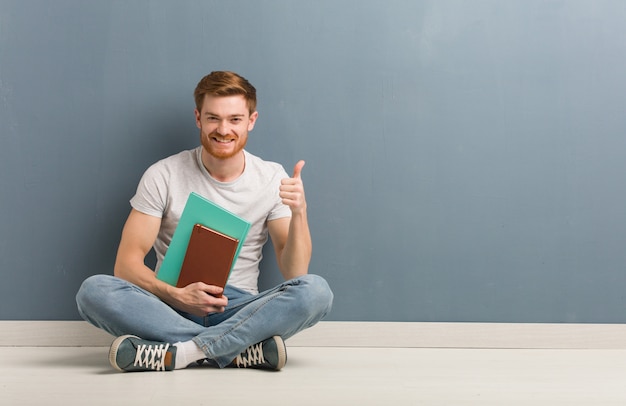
[222, 128]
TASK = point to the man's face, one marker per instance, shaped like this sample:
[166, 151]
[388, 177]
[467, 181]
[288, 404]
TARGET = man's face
[224, 123]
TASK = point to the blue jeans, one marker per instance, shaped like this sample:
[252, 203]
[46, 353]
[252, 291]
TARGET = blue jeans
[120, 308]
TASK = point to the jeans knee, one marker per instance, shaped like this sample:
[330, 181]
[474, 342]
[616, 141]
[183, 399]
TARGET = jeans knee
[82, 296]
[92, 293]
[317, 297]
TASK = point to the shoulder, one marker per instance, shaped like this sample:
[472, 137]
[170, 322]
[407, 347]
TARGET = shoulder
[265, 169]
[173, 164]
[165, 185]
[182, 158]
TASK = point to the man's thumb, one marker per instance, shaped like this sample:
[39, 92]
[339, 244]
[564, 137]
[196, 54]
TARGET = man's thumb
[297, 170]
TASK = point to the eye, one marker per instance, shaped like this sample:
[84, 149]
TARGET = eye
[235, 120]
[212, 119]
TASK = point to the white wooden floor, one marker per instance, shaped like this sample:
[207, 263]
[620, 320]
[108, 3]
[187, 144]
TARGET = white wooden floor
[335, 363]
[325, 376]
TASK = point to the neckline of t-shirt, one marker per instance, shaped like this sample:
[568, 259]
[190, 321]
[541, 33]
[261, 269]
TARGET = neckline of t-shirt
[211, 178]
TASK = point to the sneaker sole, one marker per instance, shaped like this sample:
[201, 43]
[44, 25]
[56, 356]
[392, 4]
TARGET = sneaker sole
[282, 352]
[113, 351]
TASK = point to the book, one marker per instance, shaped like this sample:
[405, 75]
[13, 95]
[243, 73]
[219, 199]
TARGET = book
[199, 210]
[208, 258]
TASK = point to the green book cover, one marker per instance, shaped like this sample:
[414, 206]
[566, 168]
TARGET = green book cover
[199, 210]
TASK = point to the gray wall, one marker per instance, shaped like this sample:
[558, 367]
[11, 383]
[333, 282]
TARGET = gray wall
[465, 159]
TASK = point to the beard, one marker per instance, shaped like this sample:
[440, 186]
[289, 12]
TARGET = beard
[209, 145]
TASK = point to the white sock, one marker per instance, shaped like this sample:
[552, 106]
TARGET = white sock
[186, 353]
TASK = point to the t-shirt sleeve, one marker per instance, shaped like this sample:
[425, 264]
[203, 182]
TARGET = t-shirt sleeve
[151, 195]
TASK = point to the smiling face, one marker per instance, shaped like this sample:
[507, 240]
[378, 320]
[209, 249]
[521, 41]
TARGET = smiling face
[224, 123]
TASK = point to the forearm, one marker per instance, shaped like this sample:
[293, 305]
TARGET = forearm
[296, 255]
[139, 274]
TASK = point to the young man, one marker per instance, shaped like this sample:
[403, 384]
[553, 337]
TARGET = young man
[162, 327]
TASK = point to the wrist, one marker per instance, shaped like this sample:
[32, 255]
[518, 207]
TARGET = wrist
[166, 292]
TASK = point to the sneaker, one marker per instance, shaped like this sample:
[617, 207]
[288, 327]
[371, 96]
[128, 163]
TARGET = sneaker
[268, 354]
[132, 354]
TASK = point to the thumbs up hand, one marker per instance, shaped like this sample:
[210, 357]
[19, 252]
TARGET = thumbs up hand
[292, 190]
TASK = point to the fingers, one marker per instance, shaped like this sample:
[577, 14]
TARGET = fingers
[292, 190]
[212, 290]
[204, 304]
[216, 303]
[215, 296]
[207, 298]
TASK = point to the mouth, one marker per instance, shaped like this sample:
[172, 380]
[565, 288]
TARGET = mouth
[222, 141]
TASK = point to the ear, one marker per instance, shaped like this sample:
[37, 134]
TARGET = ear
[252, 121]
[197, 114]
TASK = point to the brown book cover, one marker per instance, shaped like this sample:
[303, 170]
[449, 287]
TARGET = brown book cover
[208, 258]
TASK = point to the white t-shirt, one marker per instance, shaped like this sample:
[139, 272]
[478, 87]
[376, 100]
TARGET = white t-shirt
[165, 187]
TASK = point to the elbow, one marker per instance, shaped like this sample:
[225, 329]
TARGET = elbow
[120, 271]
[295, 271]
[117, 271]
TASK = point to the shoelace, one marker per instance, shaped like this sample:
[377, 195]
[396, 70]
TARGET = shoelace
[151, 356]
[253, 355]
